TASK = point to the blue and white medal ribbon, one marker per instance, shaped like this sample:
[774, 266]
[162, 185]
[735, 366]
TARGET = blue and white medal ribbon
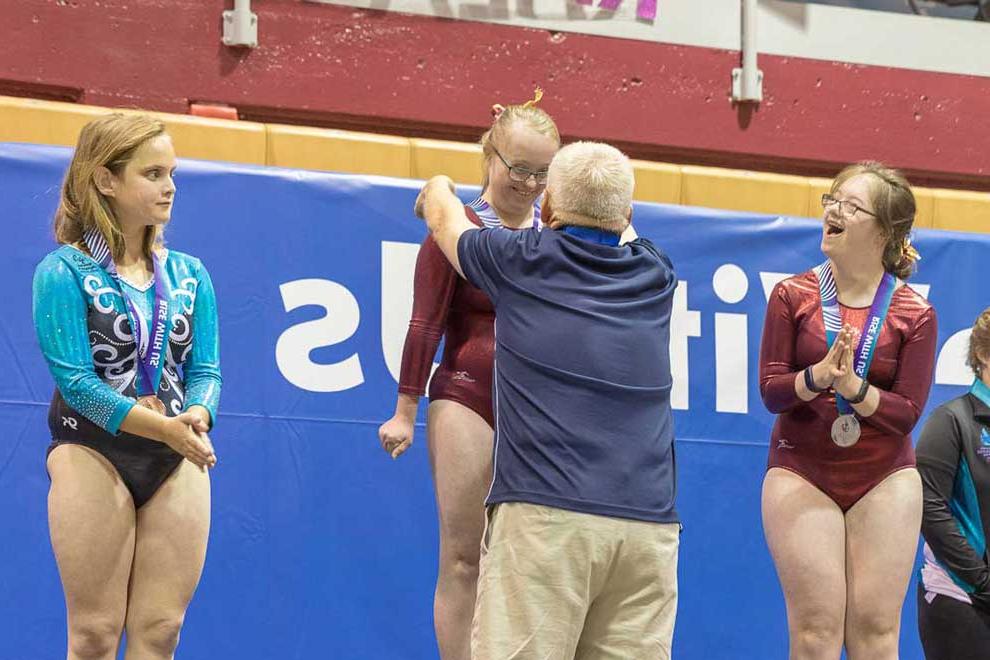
[150, 343]
[846, 429]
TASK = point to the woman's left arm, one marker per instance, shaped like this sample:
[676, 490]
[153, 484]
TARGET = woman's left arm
[896, 411]
[202, 367]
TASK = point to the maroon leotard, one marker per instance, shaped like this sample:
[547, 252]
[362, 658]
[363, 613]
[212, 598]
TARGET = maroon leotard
[794, 338]
[444, 304]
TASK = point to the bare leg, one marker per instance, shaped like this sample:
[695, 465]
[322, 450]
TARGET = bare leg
[881, 539]
[805, 530]
[460, 444]
[169, 551]
[91, 520]
[172, 531]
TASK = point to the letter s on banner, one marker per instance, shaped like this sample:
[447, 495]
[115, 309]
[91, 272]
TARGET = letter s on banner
[340, 322]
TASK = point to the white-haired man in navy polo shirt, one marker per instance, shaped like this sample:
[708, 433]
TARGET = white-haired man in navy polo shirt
[579, 557]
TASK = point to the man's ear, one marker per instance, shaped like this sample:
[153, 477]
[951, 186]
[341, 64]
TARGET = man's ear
[627, 216]
[628, 233]
[105, 181]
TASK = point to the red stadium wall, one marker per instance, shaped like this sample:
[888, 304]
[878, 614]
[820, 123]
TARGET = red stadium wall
[382, 71]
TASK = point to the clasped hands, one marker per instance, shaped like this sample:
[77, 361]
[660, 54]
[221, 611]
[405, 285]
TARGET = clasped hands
[836, 369]
[186, 434]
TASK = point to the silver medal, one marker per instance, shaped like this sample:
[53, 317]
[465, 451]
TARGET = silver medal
[845, 430]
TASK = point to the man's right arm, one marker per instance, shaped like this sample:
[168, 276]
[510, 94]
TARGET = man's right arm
[444, 215]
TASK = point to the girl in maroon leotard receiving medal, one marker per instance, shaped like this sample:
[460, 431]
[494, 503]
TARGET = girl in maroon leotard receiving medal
[517, 152]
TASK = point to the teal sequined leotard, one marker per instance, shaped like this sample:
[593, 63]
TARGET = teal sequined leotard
[85, 335]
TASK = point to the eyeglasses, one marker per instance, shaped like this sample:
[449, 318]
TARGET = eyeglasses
[521, 174]
[846, 209]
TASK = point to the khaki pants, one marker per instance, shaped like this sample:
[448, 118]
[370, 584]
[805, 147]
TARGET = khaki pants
[556, 585]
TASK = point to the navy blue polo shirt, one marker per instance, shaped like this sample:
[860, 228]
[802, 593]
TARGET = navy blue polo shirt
[582, 371]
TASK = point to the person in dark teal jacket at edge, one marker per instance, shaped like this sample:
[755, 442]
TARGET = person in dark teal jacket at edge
[954, 461]
[129, 331]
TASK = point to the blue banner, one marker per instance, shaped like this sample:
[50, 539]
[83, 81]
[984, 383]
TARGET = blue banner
[321, 545]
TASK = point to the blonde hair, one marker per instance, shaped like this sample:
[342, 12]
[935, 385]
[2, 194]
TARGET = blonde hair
[526, 114]
[894, 206]
[591, 184]
[979, 342]
[109, 141]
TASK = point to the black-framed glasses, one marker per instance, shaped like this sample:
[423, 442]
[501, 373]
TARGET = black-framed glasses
[846, 209]
[521, 174]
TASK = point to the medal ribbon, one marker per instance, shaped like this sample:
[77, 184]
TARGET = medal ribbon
[481, 207]
[150, 345]
[869, 334]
